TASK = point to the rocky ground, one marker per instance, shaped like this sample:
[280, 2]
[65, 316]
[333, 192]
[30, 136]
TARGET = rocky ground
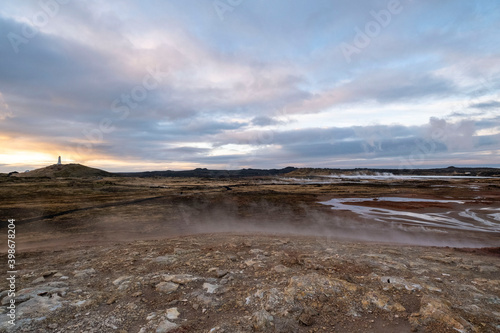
[197, 255]
[234, 283]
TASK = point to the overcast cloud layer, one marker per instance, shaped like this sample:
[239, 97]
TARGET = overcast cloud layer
[229, 84]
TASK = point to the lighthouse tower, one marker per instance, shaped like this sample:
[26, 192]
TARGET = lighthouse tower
[59, 161]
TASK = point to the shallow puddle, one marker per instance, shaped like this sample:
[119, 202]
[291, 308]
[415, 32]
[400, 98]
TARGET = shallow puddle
[463, 217]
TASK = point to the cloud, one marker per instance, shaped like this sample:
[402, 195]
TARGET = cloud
[269, 79]
[456, 136]
[266, 121]
[486, 105]
[4, 109]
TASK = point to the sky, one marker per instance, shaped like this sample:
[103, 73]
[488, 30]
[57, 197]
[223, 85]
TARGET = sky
[231, 84]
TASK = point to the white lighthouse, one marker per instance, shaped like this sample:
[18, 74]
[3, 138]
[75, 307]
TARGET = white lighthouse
[59, 161]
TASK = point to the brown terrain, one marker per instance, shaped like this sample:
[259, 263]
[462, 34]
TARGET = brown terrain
[252, 254]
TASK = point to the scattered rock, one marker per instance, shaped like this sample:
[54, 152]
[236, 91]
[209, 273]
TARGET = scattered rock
[179, 278]
[35, 309]
[261, 320]
[111, 300]
[167, 260]
[301, 287]
[221, 273]
[329, 292]
[381, 301]
[307, 316]
[432, 288]
[39, 280]
[172, 314]
[84, 273]
[122, 279]
[165, 326]
[273, 300]
[250, 262]
[46, 290]
[167, 287]
[436, 310]
[211, 288]
[202, 299]
[47, 274]
[281, 269]
[399, 283]
[285, 325]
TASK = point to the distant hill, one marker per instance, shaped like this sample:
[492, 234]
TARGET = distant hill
[81, 171]
[207, 173]
[66, 170]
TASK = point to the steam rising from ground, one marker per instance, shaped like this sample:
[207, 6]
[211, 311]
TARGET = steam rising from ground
[337, 178]
[200, 214]
[269, 212]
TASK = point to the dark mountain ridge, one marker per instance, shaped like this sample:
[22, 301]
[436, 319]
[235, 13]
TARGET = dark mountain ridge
[78, 171]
